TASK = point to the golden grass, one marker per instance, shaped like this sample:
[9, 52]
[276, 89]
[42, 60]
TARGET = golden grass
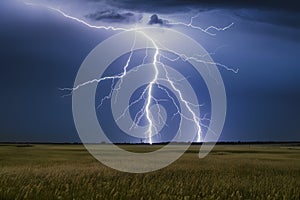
[228, 172]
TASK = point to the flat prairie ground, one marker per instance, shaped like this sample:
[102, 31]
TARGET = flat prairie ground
[228, 172]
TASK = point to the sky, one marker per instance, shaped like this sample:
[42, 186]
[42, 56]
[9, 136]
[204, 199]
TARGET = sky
[41, 51]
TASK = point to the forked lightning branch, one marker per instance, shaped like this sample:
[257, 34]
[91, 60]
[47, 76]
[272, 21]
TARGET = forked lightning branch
[161, 77]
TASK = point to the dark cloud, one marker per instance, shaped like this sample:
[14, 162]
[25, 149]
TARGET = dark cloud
[165, 5]
[154, 19]
[282, 13]
[129, 11]
[115, 16]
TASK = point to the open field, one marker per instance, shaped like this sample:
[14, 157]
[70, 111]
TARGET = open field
[229, 172]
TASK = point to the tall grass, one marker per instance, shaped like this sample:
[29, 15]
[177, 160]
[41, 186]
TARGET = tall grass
[229, 172]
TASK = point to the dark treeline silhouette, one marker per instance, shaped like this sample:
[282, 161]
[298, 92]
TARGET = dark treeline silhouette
[160, 143]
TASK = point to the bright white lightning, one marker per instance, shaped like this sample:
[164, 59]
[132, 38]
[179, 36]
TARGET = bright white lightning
[147, 108]
[75, 18]
[187, 105]
[206, 30]
[149, 89]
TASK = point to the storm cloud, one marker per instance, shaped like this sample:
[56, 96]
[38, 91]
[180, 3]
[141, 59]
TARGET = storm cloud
[154, 19]
[42, 51]
[115, 16]
[166, 5]
[131, 11]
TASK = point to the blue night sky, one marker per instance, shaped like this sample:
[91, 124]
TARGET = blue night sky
[41, 51]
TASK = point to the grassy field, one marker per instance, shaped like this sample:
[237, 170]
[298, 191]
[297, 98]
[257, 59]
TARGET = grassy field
[228, 172]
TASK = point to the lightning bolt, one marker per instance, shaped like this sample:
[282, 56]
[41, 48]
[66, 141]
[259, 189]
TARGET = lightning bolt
[206, 30]
[148, 91]
[147, 108]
